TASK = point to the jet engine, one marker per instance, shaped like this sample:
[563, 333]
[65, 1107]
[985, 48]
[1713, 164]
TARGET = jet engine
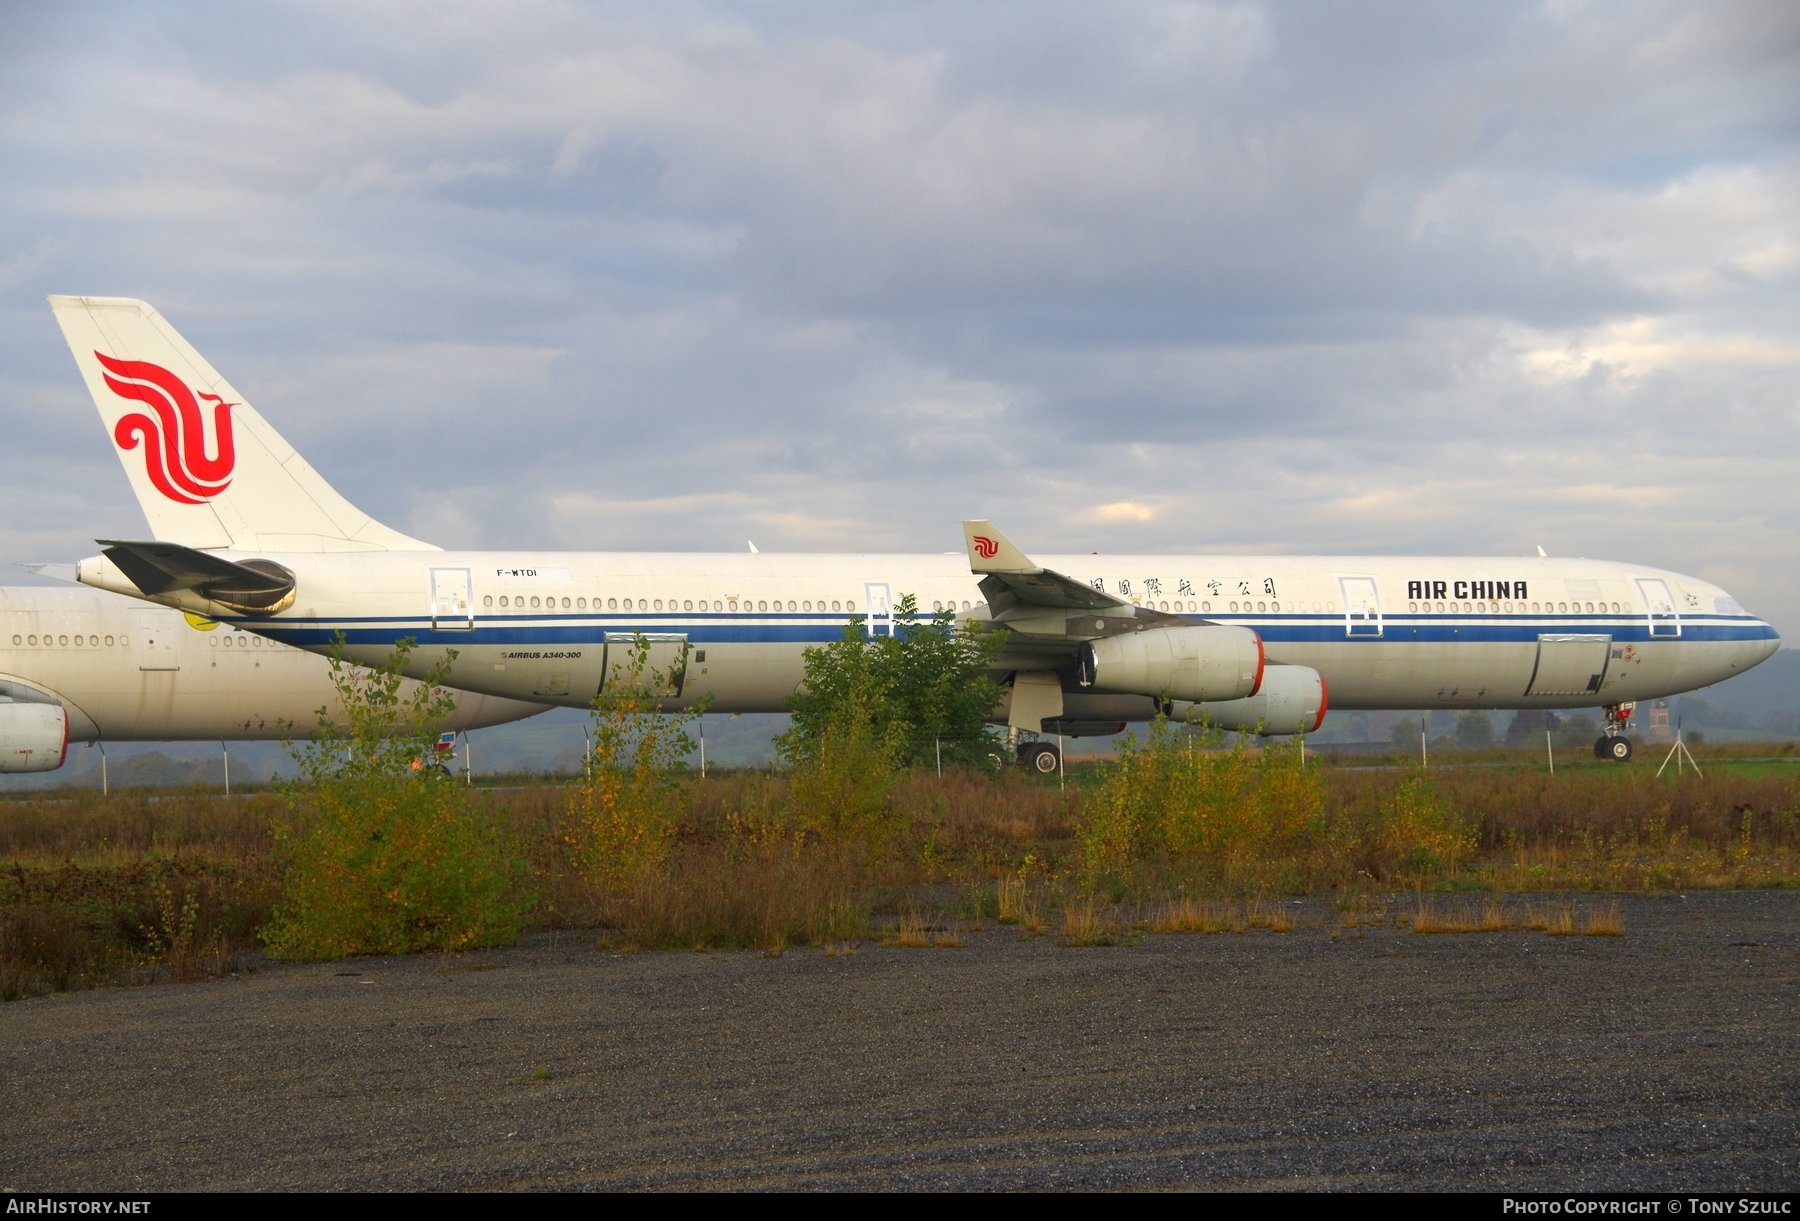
[33, 737]
[1203, 663]
[1292, 699]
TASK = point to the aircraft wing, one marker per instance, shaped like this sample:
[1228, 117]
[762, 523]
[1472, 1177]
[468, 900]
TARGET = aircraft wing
[1010, 579]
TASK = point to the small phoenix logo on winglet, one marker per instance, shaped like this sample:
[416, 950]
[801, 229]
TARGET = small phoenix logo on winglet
[175, 455]
[986, 547]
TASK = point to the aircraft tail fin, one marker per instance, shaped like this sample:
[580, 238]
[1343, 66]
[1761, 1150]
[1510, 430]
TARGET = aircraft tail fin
[208, 470]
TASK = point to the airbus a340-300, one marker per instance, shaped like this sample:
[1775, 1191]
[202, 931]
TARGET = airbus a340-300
[247, 532]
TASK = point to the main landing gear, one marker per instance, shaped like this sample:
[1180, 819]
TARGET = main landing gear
[1613, 744]
[1041, 758]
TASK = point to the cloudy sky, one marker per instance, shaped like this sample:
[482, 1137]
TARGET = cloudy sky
[1366, 278]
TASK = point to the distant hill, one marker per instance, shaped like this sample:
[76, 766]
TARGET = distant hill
[1762, 703]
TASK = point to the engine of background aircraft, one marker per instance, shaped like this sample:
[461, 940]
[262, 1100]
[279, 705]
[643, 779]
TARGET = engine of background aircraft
[33, 737]
[1202, 664]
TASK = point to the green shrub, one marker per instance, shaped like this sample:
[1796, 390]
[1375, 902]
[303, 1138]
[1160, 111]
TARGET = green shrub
[377, 856]
[621, 823]
[1244, 817]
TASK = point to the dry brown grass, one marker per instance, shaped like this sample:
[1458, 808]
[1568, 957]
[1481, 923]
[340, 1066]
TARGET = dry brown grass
[911, 934]
[1553, 918]
[1088, 922]
[1012, 898]
[1197, 916]
[1490, 915]
[78, 871]
[1603, 920]
[1271, 916]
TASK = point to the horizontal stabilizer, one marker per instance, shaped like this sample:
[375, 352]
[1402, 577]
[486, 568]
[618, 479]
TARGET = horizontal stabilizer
[165, 568]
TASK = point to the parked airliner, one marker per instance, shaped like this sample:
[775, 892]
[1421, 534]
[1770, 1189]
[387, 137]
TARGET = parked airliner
[79, 665]
[247, 532]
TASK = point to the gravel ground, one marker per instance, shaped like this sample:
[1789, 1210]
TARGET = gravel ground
[1323, 1058]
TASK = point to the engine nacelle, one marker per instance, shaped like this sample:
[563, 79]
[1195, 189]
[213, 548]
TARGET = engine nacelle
[33, 737]
[1292, 700]
[1202, 663]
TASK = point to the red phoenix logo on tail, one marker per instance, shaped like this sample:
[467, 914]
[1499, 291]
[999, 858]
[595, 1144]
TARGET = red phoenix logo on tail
[986, 547]
[175, 438]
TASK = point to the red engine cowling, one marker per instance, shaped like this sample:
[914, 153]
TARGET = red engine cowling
[1203, 663]
[33, 737]
[1293, 699]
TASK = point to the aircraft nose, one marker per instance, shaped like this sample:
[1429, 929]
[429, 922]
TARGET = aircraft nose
[1756, 649]
[1766, 649]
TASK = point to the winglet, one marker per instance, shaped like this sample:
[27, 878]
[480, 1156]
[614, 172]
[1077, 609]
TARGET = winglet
[991, 551]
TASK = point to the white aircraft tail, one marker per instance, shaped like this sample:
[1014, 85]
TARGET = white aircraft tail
[209, 472]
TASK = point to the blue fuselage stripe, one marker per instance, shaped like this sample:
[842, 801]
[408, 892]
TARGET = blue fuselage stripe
[724, 628]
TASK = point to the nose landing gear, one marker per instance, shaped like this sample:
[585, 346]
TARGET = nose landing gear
[1614, 744]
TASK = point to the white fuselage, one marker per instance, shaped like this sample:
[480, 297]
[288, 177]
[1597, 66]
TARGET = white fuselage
[126, 671]
[1426, 632]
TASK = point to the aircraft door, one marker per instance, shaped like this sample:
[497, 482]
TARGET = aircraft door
[1665, 621]
[452, 600]
[1569, 664]
[879, 597]
[665, 665]
[1362, 607]
[153, 640]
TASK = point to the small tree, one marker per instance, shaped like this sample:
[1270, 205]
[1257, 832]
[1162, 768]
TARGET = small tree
[1474, 731]
[919, 691]
[622, 820]
[376, 860]
[1577, 729]
[1405, 736]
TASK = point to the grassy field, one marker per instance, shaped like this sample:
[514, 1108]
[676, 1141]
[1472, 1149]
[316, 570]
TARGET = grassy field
[145, 885]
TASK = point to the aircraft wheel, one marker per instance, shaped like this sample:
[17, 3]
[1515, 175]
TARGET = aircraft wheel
[1041, 757]
[1603, 748]
[1619, 750]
